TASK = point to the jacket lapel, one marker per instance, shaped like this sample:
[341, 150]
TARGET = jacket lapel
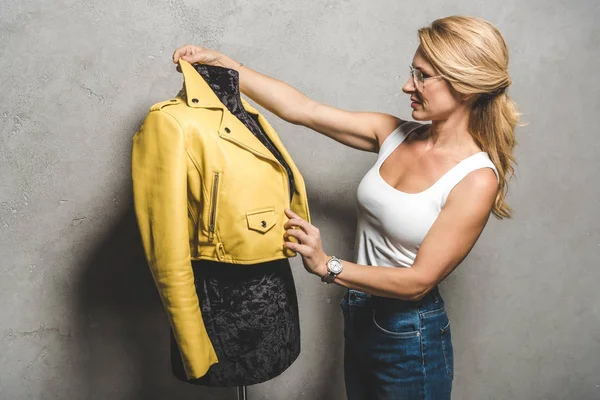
[269, 131]
[198, 94]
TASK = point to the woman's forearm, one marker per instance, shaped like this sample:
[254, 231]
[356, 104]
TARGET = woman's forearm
[276, 96]
[401, 283]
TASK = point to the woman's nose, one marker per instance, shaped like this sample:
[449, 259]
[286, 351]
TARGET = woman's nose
[409, 86]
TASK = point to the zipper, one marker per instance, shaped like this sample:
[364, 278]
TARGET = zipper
[213, 209]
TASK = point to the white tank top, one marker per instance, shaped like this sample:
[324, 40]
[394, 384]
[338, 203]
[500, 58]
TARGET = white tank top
[391, 224]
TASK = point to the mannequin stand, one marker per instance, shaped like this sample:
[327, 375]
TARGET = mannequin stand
[241, 393]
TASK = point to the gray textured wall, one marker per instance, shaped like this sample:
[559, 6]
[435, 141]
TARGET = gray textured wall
[79, 315]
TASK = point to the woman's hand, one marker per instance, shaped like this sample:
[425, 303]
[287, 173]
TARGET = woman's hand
[309, 243]
[196, 54]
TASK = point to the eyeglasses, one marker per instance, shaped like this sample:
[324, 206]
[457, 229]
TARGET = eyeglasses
[419, 79]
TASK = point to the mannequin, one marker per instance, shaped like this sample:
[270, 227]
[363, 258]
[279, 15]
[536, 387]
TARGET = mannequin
[250, 311]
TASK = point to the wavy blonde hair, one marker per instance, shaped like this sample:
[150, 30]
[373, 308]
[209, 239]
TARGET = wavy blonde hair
[472, 55]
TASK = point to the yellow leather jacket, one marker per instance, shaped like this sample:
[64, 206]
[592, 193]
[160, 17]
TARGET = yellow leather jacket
[205, 187]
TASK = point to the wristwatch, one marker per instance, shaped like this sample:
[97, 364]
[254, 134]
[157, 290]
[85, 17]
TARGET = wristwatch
[334, 267]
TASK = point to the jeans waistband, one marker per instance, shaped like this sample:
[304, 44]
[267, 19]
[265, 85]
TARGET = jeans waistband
[431, 301]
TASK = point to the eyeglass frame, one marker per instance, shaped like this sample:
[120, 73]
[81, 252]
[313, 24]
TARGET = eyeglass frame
[421, 80]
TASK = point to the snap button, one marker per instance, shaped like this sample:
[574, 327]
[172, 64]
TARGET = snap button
[194, 100]
[263, 223]
[227, 130]
[352, 296]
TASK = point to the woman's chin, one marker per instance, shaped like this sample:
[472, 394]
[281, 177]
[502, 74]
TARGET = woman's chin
[418, 115]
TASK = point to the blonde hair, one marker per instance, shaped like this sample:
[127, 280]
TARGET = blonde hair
[472, 55]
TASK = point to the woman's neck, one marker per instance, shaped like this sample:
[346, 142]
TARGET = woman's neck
[452, 135]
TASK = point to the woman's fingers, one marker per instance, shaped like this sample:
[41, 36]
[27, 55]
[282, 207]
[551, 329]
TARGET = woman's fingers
[188, 52]
[298, 247]
[297, 223]
[300, 235]
[290, 213]
[296, 220]
[179, 52]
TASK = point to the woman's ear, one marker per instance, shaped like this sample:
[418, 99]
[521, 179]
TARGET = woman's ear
[468, 97]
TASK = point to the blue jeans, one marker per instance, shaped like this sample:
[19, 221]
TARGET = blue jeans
[396, 349]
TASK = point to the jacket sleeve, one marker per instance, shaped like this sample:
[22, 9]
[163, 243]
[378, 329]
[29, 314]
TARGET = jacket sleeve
[159, 174]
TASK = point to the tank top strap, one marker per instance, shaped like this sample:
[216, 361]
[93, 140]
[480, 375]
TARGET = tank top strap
[462, 169]
[395, 138]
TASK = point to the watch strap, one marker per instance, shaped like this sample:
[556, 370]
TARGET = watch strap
[329, 278]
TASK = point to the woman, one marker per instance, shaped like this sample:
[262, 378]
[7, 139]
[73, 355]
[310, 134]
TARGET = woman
[422, 206]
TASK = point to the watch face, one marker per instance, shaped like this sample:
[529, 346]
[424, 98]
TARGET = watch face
[334, 266]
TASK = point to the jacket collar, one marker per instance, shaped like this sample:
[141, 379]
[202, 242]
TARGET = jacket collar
[198, 93]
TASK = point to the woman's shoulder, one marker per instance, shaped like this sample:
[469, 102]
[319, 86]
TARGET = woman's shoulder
[401, 128]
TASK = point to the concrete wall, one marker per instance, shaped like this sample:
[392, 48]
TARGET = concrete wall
[79, 315]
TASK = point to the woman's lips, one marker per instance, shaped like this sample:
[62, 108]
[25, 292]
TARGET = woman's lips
[414, 103]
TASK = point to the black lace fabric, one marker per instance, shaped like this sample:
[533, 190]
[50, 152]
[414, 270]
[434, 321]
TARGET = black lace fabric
[251, 316]
[224, 82]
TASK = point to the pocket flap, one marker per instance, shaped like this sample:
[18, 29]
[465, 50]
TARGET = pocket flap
[261, 220]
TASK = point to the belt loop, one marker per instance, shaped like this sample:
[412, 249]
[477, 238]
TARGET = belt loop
[436, 295]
